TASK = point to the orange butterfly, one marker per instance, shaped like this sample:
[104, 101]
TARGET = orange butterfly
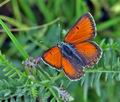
[77, 51]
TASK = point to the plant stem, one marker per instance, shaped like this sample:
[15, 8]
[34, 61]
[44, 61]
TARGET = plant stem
[34, 27]
[101, 71]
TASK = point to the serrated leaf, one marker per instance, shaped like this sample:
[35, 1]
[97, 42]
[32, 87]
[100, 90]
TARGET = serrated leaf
[97, 83]
[85, 87]
[8, 92]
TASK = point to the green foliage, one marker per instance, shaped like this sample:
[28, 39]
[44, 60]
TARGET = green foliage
[32, 26]
[9, 68]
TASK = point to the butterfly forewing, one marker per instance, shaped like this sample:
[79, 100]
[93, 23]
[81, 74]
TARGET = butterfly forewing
[83, 30]
[53, 57]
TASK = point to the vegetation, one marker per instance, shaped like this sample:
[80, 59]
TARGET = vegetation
[30, 27]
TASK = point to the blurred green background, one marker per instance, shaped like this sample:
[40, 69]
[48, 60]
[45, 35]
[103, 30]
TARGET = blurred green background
[37, 25]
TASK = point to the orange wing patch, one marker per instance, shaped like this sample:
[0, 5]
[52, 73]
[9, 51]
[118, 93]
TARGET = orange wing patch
[53, 57]
[83, 30]
[70, 71]
[89, 51]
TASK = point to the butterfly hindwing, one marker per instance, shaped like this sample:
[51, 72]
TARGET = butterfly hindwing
[89, 52]
[83, 30]
[53, 57]
[71, 70]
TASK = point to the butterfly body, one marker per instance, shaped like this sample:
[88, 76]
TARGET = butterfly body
[77, 51]
[69, 52]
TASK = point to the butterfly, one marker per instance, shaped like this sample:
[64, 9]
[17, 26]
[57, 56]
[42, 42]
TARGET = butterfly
[77, 51]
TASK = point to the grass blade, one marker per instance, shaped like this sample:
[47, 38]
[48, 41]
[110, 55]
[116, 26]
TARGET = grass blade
[14, 40]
